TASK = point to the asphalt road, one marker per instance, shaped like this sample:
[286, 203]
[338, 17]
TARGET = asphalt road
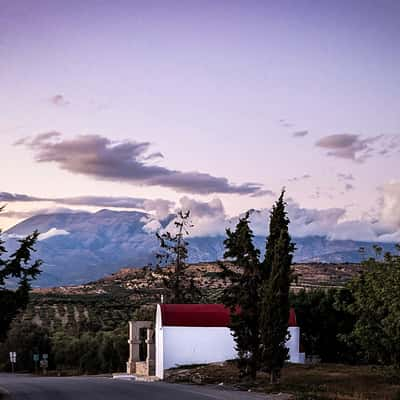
[26, 387]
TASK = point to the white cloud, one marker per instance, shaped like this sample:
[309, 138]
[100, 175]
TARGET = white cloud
[151, 225]
[303, 221]
[207, 218]
[391, 204]
[53, 232]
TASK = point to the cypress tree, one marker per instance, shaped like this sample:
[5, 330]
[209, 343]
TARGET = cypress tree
[242, 295]
[274, 302]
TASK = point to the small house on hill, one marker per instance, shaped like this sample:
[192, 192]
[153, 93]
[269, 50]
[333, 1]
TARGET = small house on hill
[193, 334]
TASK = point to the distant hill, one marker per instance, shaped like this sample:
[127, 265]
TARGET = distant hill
[110, 302]
[79, 247]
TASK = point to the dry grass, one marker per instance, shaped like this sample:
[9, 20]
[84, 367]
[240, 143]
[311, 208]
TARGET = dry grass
[311, 382]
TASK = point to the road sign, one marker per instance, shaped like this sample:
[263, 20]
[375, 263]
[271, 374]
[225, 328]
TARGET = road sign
[44, 363]
[45, 356]
[36, 357]
[13, 359]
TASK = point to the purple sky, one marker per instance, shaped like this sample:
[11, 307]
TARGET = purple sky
[240, 98]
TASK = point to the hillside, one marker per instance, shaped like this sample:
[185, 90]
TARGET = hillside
[110, 302]
[78, 247]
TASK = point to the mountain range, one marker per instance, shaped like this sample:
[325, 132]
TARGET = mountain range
[81, 247]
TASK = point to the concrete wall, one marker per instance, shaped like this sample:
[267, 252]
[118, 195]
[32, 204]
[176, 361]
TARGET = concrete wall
[178, 345]
[159, 341]
[197, 345]
[293, 344]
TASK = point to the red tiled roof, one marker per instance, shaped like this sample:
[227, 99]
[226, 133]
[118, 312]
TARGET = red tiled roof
[202, 315]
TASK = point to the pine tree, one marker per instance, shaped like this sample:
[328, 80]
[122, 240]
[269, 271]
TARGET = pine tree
[178, 283]
[274, 304]
[18, 266]
[242, 295]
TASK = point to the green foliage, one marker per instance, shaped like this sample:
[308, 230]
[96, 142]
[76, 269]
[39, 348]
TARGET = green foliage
[19, 267]
[258, 294]
[324, 320]
[376, 306]
[26, 339]
[147, 312]
[89, 353]
[242, 295]
[19, 264]
[179, 284]
[274, 306]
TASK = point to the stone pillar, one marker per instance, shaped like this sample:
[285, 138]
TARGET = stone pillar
[134, 342]
[151, 353]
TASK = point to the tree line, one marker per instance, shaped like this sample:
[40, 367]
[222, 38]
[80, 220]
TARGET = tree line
[86, 353]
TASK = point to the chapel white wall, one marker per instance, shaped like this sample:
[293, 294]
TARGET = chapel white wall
[179, 345]
[159, 343]
[197, 345]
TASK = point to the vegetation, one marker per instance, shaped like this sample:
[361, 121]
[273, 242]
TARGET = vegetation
[359, 324]
[100, 352]
[78, 332]
[84, 328]
[324, 321]
[19, 268]
[375, 306]
[303, 382]
[242, 295]
[258, 293]
[274, 313]
[179, 285]
[26, 338]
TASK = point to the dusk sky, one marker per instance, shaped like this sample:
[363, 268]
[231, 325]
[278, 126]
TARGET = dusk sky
[213, 105]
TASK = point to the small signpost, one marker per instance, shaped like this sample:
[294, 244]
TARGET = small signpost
[44, 363]
[13, 360]
[36, 360]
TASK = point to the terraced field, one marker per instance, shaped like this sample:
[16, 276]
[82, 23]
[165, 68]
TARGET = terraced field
[110, 302]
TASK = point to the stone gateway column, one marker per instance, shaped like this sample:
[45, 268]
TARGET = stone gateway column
[151, 353]
[134, 342]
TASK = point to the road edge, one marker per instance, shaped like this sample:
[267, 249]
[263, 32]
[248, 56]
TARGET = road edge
[4, 394]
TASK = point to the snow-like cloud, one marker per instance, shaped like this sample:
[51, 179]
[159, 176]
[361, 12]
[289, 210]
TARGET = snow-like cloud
[151, 225]
[208, 218]
[303, 221]
[391, 204]
[101, 158]
[51, 233]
